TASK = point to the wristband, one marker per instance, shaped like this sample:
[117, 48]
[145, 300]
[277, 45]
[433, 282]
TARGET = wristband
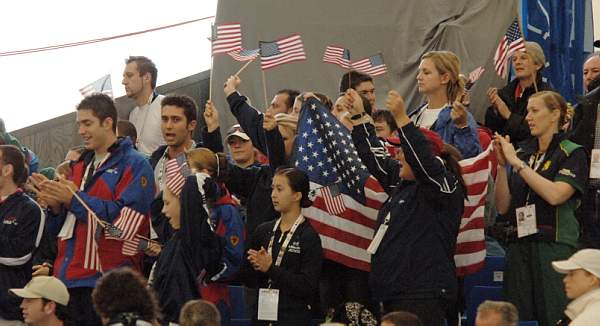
[358, 116]
[521, 167]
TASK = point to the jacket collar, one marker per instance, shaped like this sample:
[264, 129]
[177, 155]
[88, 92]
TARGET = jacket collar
[577, 306]
[531, 145]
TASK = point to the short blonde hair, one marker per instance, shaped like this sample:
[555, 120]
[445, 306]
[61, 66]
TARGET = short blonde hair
[507, 311]
[555, 101]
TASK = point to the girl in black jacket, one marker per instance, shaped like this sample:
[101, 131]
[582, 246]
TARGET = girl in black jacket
[286, 255]
[412, 264]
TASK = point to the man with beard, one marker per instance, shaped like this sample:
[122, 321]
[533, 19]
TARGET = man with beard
[586, 132]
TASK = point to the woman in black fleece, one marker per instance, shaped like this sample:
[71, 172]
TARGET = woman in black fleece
[286, 254]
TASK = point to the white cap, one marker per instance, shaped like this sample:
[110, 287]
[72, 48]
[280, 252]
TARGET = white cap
[586, 259]
[47, 287]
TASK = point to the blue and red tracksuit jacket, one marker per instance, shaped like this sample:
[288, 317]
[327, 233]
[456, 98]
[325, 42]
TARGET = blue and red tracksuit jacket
[226, 218]
[125, 179]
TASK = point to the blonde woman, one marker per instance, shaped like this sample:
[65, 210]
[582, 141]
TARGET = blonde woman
[438, 79]
[541, 183]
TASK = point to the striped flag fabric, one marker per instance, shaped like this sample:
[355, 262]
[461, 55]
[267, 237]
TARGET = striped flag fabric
[175, 178]
[128, 223]
[337, 55]
[244, 55]
[373, 65]
[102, 85]
[226, 37]
[132, 247]
[325, 151]
[474, 76]
[287, 49]
[509, 43]
[334, 201]
[91, 257]
[470, 250]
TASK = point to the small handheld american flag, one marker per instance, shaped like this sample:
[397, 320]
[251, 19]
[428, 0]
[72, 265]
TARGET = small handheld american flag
[102, 85]
[226, 37]
[287, 49]
[337, 55]
[511, 41]
[372, 65]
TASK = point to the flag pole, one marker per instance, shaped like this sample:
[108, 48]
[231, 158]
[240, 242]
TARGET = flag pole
[389, 79]
[244, 67]
[264, 88]
[210, 82]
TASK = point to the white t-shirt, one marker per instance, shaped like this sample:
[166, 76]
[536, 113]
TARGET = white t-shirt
[429, 117]
[146, 119]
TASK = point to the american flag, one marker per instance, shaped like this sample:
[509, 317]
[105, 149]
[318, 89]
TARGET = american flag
[325, 151]
[287, 49]
[175, 178]
[372, 65]
[91, 258]
[474, 76]
[334, 201]
[511, 41]
[101, 85]
[132, 247]
[244, 55]
[470, 251]
[128, 223]
[337, 55]
[226, 38]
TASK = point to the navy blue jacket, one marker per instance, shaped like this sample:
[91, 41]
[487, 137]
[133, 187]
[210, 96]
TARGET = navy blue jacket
[20, 233]
[415, 259]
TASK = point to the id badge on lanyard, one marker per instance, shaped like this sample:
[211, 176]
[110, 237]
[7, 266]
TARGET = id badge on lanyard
[379, 236]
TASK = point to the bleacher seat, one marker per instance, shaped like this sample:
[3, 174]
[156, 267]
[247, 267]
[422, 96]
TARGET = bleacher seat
[478, 295]
[492, 274]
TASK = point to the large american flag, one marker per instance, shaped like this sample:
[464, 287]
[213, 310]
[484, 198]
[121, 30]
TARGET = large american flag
[511, 41]
[287, 49]
[102, 85]
[337, 55]
[244, 55]
[470, 250]
[226, 37]
[325, 151]
[372, 65]
[91, 257]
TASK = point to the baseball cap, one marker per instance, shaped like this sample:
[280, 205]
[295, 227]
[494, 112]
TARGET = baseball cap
[47, 287]
[586, 259]
[236, 130]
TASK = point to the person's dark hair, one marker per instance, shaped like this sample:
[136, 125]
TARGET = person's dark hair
[2, 126]
[144, 66]
[291, 93]
[127, 129]
[102, 106]
[186, 103]
[298, 181]
[13, 156]
[61, 312]
[451, 156]
[325, 100]
[385, 116]
[353, 78]
[199, 313]
[122, 293]
[402, 318]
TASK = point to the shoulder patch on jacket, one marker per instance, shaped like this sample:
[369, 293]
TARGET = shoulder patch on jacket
[568, 146]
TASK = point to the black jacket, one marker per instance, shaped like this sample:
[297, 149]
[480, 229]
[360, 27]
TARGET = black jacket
[192, 249]
[584, 122]
[20, 233]
[415, 259]
[252, 185]
[516, 126]
[298, 276]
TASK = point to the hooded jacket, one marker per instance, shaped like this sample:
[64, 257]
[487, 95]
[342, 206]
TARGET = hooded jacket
[585, 310]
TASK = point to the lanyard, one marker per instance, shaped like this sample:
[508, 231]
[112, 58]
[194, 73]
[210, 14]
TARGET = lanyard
[286, 242]
[534, 165]
[91, 169]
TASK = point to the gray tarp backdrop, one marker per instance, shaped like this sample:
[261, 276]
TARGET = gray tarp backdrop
[401, 30]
